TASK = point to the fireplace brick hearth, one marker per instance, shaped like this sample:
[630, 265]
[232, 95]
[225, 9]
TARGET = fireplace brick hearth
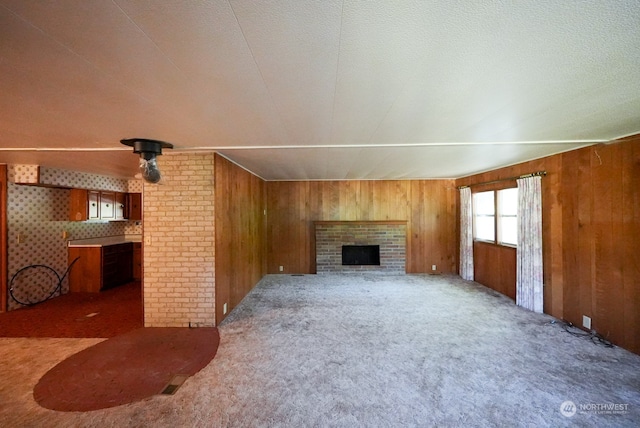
[391, 236]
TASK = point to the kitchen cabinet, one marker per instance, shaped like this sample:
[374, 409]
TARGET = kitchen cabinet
[83, 205]
[108, 205]
[120, 206]
[133, 206]
[100, 267]
[93, 205]
[137, 261]
[117, 265]
[104, 205]
[86, 274]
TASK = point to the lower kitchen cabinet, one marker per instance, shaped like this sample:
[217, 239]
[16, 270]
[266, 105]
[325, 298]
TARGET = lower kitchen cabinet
[100, 268]
[137, 261]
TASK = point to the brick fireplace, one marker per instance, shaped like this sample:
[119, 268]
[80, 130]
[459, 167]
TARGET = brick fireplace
[331, 236]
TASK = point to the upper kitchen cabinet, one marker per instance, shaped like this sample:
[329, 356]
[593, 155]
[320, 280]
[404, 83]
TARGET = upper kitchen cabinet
[92, 205]
[104, 205]
[83, 205]
[121, 201]
[133, 206]
[108, 205]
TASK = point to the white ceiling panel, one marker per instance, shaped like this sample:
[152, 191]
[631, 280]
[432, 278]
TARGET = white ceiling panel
[303, 89]
[101, 37]
[228, 96]
[296, 47]
[62, 100]
[388, 162]
[381, 48]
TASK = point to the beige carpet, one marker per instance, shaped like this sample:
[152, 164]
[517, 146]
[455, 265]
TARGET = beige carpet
[375, 351]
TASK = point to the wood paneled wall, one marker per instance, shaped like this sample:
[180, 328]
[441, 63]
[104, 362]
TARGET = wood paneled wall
[601, 232]
[591, 226]
[495, 267]
[428, 206]
[240, 253]
[3, 239]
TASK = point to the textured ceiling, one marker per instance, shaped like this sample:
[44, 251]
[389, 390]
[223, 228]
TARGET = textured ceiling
[317, 89]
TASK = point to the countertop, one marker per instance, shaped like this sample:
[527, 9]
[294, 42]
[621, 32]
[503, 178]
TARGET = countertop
[105, 241]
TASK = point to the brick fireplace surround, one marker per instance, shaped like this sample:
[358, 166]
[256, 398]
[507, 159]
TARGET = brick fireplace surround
[391, 236]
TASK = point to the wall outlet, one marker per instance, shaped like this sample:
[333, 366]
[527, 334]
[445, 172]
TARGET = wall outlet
[586, 322]
[281, 268]
[433, 267]
[65, 234]
[20, 238]
[224, 309]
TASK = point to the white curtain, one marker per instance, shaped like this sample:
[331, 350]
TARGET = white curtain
[466, 234]
[529, 278]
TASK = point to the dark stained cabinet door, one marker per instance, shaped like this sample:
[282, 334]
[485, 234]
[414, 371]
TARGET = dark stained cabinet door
[137, 261]
[117, 265]
[134, 206]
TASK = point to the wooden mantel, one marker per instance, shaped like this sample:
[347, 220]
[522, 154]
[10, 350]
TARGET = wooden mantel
[358, 222]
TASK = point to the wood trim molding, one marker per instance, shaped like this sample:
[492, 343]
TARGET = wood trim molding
[364, 222]
[4, 286]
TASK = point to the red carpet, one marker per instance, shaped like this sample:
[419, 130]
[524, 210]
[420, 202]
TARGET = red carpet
[105, 314]
[135, 363]
[125, 369]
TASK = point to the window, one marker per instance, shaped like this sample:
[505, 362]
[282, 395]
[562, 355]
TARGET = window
[508, 216]
[484, 214]
[496, 211]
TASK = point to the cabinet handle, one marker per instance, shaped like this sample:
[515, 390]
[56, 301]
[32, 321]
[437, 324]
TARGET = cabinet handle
[107, 205]
[93, 204]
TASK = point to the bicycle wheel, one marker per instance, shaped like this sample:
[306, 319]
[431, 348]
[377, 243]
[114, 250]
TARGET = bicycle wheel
[34, 284]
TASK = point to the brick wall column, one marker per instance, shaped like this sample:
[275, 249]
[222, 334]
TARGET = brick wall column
[179, 242]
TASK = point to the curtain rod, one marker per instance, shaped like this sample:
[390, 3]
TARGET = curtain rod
[533, 174]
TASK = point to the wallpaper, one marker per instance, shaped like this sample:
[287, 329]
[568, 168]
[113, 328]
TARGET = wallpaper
[38, 216]
[25, 174]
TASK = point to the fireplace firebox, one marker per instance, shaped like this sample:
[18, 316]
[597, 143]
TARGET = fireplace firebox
[358, 255]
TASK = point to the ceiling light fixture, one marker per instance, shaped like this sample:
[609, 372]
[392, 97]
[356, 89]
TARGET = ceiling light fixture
[148, 150]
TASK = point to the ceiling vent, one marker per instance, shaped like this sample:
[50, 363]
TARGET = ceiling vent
[148, 150]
